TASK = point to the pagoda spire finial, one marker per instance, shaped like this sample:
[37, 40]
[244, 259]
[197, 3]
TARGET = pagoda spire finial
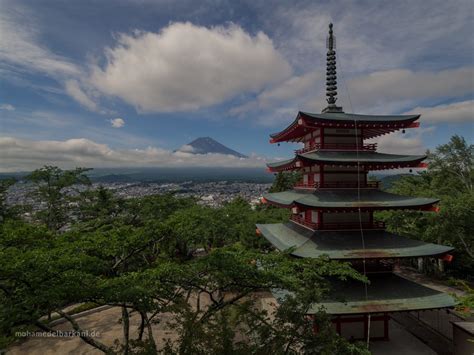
[331, 77]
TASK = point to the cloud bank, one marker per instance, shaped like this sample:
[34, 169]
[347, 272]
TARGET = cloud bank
[23, 154]
[403, 85]
[451, 113]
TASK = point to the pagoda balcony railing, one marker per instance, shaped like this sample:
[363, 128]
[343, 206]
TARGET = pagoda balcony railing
[337, 146]
[300, 220]
[338, 185]
[376, 225]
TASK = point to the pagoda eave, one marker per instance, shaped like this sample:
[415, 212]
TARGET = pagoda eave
[363, 159]
[346, 245]
[363, 207]
[372, 126]
[387, 293]
[348, 200]
[293, 165]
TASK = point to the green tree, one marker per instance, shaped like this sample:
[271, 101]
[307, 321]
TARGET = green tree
[51, 183]
[452, 166]
[127, 263]
[4, 186]
[42, 272]
[285, 181]
[450, 178]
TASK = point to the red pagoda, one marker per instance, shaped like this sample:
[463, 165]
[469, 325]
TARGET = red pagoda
[333, 213]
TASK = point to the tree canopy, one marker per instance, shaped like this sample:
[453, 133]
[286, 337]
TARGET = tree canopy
[449, 177]
[155, 256]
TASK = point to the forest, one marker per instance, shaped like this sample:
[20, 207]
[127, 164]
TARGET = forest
[156, 256]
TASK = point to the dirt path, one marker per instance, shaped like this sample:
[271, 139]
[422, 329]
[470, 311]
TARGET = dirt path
[106, 323]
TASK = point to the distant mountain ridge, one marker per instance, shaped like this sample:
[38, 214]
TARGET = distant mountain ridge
[205, 145]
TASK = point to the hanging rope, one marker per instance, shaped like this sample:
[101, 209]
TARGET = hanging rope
[358, 200]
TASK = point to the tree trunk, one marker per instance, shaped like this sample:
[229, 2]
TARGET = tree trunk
[150, 332]
[83, 335]
[126, 329]
[141, 328]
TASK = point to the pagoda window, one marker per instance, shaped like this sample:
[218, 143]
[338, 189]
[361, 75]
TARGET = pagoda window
[305, 179]
[314, 216]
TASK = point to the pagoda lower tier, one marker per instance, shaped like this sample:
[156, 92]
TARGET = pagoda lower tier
[364, 160]
[346, 245]
[348, 200]
[386, 293]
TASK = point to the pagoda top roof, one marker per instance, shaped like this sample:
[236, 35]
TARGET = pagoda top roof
[349, 158]
[386, 292]
[372, 125]
[346, 245]
[353, 117]
[348, 199]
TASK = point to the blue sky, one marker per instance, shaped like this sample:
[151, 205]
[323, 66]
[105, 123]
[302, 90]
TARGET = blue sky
[125, 83]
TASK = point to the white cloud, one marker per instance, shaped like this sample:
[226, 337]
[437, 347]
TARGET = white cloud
[23, 154]
[22, 52]
[279, 104]
[77, 93]
[186, 149]
[20, 45]
[388, 65]
[456, 112]
[398, 142]
[117, 122]
[382, 92]
[186, 67]
[294, 87]
[411, 31]
[403, 85]
[7, 107]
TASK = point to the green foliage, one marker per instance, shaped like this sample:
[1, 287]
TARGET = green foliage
[285, 181]
[4, 186]
[450, 178]
[98, 205]
[465, 302]
[163, 255]
[452, 166]
[50, 184]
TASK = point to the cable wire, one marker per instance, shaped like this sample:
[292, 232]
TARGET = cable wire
[358, 198]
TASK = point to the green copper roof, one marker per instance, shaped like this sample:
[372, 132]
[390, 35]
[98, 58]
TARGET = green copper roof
[345, 244]
[347, 198]
[386, 293]
[364, 157]
[351, 117]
